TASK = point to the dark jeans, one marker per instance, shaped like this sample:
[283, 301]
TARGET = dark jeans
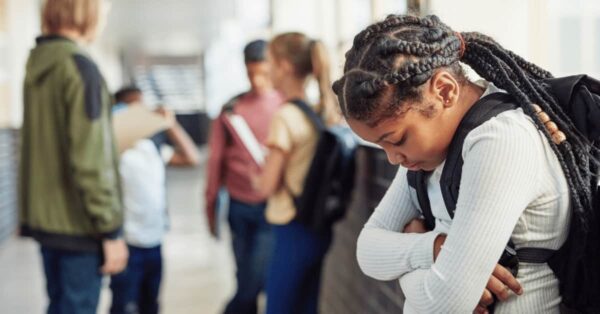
[252, 238]
[73, 281]
[295, 272]
[136, 289]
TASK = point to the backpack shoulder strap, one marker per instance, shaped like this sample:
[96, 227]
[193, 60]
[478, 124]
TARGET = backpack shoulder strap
[230, 104]
[418, 181]
[310, 113]
[483, 110]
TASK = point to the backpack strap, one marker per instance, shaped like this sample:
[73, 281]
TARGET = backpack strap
[230, 104]
[317, 122]
[483, 110]
[534, 255]
[418, 181]
[310, 113]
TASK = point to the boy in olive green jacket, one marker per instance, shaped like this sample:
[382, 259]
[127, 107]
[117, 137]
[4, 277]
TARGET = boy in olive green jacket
[70, 199]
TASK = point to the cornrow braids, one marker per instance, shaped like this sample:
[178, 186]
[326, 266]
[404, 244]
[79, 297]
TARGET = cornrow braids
[399, 54]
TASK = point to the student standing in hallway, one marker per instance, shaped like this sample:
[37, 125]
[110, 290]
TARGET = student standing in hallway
[70, 199]
[142, 169]
[230, 165]
[295, 271]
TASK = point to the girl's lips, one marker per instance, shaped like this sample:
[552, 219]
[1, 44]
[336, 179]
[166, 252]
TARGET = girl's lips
[411, 166]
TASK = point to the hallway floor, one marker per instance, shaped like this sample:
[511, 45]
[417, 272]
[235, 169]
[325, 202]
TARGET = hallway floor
[198, 277]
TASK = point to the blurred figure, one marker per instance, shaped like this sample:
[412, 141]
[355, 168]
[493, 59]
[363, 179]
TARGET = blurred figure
[142, 169]
[295, 273]
[70, 199]
[230, 164]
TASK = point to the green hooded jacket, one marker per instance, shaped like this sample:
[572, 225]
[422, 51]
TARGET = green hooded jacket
[69, 193]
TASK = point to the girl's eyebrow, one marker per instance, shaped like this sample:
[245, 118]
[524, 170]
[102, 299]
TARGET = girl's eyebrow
[384, 136]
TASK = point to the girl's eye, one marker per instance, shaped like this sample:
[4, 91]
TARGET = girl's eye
[401, 141]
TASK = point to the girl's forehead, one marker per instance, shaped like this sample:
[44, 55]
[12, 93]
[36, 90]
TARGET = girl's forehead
[380, 131]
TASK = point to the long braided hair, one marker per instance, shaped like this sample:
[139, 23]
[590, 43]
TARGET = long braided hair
[390, 60]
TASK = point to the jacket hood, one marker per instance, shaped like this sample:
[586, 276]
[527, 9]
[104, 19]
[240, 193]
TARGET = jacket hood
[48, 53]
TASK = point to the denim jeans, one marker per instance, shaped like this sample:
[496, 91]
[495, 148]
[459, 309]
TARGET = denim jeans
[295, 273]
[252, 238]
[73, 281]
[136, 289]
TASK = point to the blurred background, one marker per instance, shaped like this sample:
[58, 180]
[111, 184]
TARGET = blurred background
[187, 56]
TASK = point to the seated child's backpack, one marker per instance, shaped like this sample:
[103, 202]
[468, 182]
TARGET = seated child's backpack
[330, 179]
[577, 263]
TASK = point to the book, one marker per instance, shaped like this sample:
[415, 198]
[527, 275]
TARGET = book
[133, 123]
[242, 133]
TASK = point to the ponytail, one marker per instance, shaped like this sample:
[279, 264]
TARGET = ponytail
[321, 70]
[309, 57]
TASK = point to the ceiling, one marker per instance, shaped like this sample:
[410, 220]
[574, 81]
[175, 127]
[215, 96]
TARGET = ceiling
[178, 25]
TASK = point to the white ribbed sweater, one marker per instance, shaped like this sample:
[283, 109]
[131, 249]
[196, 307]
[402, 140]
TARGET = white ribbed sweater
[513, 187]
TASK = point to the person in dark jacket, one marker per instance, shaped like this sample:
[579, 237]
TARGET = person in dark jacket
[70, 199]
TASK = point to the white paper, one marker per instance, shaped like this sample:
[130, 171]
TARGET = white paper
[247, 137]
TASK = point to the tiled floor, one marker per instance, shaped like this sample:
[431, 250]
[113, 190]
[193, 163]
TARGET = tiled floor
[198, 269]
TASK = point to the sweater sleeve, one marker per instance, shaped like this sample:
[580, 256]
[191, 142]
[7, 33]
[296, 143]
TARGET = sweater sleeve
[498, 182]
[383, 251]
[91, 147]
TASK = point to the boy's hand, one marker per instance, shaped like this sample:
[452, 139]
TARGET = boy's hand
[115, 256]
[167, 114]
[212, 225]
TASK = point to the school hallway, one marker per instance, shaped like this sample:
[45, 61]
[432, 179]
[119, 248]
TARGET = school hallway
[198, 274]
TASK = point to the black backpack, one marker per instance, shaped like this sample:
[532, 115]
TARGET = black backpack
[577, 263]
[330, 178]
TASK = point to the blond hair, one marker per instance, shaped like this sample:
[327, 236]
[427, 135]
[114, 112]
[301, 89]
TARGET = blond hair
[79, 15]
[309, 57]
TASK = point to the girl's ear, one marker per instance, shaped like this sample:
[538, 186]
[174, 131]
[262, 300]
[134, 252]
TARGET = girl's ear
[445, 88]
[286, 66]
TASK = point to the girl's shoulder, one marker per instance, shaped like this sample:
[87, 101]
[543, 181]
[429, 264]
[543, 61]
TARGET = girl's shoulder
[510, 132]
[290, 113]
[511, 123]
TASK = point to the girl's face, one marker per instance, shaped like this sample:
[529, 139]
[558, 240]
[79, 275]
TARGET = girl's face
[417, 140]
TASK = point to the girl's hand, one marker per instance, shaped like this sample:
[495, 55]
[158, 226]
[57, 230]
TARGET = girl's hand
[416, 225]
[500, 284]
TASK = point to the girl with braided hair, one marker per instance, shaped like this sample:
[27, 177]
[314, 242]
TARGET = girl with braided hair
[403, 89]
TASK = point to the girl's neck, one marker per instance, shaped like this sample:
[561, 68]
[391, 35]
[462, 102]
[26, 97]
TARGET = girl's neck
[293, 89]
[471, 93]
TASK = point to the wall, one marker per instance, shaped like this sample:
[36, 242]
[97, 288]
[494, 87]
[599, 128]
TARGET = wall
[345, 289]
[8, 182]
[19, 25]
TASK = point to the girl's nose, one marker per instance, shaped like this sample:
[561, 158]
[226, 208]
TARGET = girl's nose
[395, 158]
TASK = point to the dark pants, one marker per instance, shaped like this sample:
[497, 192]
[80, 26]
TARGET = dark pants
[73, 281]
[136, 289]
[295, 272]
[252, 244]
